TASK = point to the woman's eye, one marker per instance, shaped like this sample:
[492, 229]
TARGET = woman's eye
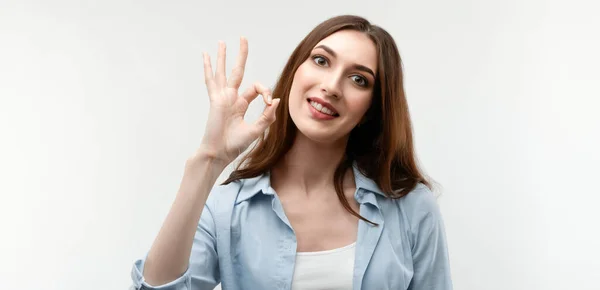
[360, 81]
[320, 60]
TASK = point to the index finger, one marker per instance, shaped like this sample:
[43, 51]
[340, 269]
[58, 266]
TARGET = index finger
[208, 73]
[237, 74]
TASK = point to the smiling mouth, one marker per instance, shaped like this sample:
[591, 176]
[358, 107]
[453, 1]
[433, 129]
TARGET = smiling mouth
[322, 109]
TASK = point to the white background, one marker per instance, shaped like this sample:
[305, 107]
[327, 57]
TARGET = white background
[101, 102]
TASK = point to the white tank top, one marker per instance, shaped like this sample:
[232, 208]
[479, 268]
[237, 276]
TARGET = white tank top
[331, 269]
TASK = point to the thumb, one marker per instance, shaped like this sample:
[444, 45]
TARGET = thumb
[267, 118]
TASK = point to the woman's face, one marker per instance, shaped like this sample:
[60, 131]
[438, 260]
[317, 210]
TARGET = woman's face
[333, 88]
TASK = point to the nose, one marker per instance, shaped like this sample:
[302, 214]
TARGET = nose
[330, 85]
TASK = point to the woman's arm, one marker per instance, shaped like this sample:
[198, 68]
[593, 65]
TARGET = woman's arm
[431, 261]
[226, 136]
[169, 255]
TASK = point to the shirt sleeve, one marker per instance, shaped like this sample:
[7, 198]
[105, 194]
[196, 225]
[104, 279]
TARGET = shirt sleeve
[203, 270]
[431, 262]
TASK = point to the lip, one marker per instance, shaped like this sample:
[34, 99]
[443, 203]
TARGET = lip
[324, 104]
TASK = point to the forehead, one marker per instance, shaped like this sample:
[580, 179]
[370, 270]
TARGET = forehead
[353, 47]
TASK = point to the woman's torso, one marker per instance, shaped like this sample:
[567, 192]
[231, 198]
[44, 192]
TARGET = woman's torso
[258, 240]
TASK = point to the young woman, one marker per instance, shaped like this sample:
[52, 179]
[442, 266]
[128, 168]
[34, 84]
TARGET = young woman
[330, 197]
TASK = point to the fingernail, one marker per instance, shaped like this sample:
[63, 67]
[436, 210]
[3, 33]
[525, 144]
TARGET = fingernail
[270, 99]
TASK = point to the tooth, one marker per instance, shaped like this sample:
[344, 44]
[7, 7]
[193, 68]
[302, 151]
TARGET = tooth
[321, 108]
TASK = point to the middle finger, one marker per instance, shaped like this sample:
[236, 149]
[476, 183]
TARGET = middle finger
[237, 74]
[220, 73]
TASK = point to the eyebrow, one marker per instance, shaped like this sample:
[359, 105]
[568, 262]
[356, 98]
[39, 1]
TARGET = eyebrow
[355, 66]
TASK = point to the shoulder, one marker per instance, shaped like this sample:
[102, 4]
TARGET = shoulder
[420, 199]
[419, 206]
[223, 196]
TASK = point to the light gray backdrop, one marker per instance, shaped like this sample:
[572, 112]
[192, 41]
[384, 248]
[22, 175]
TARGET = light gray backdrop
[101, 102]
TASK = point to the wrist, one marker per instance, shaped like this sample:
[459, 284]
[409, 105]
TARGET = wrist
[206, 155]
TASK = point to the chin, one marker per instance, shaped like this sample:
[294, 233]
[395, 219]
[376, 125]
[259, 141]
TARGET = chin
[319, 135]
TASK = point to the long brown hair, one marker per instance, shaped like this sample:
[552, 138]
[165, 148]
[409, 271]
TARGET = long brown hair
[381, 146]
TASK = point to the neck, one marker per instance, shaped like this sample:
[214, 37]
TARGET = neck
[309, 166]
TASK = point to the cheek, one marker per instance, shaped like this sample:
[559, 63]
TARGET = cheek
[302, 82]
[359, 104]
[302, 77]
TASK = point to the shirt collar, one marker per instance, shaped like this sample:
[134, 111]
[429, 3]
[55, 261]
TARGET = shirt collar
[364, 182]
[262, 184]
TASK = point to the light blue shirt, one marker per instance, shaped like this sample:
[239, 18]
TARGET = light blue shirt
[245, 241]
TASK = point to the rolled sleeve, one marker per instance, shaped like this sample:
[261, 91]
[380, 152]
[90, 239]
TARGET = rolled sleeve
[203, 270]
[181, 283]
